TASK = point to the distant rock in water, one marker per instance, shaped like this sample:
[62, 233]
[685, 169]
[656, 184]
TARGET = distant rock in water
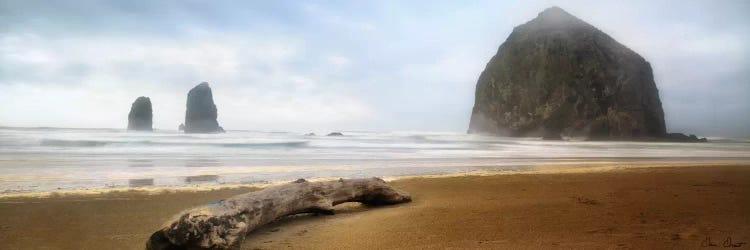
[335, 134]
[557, 75]
[680, 137]
[310, 134]
[201, 113]
[551, 136]
[141, 115]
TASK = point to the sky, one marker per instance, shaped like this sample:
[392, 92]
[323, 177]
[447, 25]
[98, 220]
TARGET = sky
[339, 65]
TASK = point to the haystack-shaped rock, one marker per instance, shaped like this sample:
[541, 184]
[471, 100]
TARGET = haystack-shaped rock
[141, 115]
[558, 75]
[201, 113]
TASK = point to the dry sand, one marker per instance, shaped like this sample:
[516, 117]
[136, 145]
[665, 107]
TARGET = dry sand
[654, 208]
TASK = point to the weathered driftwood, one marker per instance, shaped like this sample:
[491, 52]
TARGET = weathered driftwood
[224, 224]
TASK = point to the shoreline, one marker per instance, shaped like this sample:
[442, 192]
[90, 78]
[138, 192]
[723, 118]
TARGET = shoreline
[542, 168]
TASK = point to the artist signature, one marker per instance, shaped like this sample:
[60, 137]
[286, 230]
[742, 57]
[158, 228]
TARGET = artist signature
[727, 243]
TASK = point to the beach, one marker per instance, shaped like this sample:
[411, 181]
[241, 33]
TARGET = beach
[640, 207]
[374, 125]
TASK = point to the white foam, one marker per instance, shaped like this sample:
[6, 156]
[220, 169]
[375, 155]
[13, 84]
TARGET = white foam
[43, 160]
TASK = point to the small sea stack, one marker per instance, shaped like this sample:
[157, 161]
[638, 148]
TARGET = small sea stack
[141, 115]
[680, 137]
[201, 113]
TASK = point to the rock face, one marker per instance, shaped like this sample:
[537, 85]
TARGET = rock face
[201, 113]
[558, 75]
[141, 115]
[680, 137]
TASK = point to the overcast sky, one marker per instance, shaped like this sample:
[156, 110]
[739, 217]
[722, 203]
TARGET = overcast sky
[339, 65]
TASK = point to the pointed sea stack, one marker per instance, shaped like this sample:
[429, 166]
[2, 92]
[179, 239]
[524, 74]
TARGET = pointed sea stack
[558, 75]
[141, 115]
[201, 113]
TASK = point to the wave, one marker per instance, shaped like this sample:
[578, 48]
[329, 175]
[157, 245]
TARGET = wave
[417, 137]
[72, 143]
[94, 143]
[728, 140]
[113, 130]
[294, 144]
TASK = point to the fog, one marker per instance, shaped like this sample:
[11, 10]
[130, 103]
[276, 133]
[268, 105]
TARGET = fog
[339, 65]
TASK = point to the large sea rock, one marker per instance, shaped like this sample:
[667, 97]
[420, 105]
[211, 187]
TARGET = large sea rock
[141, 115]
[558, 75]
[201, 113]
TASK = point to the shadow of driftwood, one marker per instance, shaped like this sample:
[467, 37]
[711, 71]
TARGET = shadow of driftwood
[300, 224]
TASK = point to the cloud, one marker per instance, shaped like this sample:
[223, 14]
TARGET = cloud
[253, 83]
[333, 18]
[127, 59]
[338, 62]
[381, 65]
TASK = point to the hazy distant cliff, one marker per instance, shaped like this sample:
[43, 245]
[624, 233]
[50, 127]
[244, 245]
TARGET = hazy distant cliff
[558, 75]
[141, 115]
[201, 113]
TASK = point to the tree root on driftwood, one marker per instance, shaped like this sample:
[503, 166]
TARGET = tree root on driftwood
[224, 224]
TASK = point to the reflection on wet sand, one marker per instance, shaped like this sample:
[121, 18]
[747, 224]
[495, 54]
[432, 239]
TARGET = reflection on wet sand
[140, 182]
[203, 163]
[140, 163]
[201, 178]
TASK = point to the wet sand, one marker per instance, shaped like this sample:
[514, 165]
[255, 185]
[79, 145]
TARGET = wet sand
[656, 208]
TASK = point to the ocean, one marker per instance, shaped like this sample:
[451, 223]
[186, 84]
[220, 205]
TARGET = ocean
[53, 159]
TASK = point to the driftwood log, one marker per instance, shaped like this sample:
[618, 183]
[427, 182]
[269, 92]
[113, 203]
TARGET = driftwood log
[224, 224]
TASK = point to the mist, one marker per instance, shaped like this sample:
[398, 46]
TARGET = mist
[324, 66]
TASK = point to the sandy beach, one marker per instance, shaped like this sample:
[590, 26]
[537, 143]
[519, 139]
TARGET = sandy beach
[633, 208]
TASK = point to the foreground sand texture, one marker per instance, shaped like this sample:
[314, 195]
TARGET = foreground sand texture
[657, 208]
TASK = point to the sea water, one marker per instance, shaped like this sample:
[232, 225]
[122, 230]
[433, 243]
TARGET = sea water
[49, 159]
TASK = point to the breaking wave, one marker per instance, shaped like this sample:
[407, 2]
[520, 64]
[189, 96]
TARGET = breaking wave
[95, 143]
